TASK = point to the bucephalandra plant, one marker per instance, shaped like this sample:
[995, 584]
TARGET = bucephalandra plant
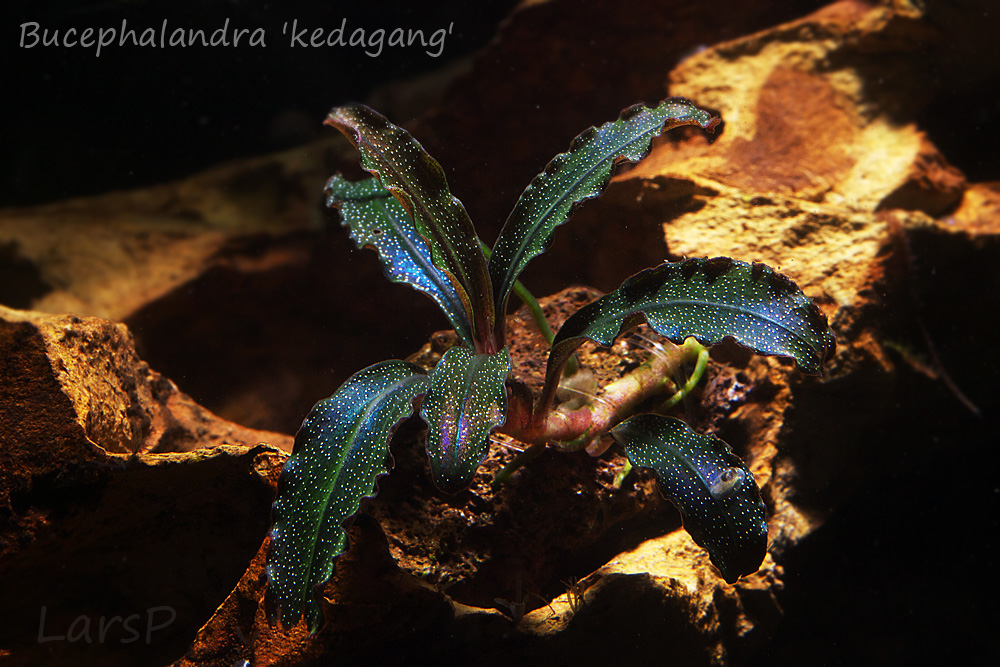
[425, 239]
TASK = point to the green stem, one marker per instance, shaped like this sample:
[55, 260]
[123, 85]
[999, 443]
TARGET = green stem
[622, 474]
[536, 311]
[619, 400]
[531, 302]
[699, 371]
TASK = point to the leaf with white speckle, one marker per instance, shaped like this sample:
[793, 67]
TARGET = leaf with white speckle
[581, 173]
[467, 399]
[709, 299]
[419, 183]
[713, 490]
[377, 220]
[340, 450]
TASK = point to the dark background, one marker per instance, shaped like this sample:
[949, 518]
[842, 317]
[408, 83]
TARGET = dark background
[904, 572]
[77, 124]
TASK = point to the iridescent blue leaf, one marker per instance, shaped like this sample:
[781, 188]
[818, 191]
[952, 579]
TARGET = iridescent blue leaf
[420, 185]
[713, 490]
[377, 220]
[709, 299]
[340, 450]
[467, 399]
[575, 176]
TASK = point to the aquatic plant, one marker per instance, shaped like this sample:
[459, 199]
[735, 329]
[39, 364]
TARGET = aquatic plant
[425, 238]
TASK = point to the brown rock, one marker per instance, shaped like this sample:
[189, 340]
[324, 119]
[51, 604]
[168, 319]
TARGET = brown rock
[815, 175]
[229, 281]
[932, 185]
[87, 369]
[157, 541]
[805, 112]
[978, 213]
[556, 68]
[128, 249]
[96, 519]
[822, 171]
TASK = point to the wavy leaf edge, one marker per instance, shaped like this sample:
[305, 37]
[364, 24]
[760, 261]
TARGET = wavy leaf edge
[292, 577]
[419, 183]
[635, 128]
[728, 517]
[583, 326]
[465, 402]
[391, 233]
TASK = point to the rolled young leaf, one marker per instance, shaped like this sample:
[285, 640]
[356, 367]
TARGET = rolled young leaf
[377, 220]
[713, 490]
[575, 176]
[340, 450]
[467, 399]
[419, 183]
[709, 299]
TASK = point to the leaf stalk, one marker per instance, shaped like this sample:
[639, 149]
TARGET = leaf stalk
[575, 429]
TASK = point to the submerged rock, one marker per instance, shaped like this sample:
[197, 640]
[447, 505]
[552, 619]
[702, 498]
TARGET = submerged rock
[823, 170]
[120, 497]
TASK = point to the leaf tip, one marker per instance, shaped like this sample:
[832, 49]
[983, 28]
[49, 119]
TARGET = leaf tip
[449, 484]
[338, 118]
[682, 111]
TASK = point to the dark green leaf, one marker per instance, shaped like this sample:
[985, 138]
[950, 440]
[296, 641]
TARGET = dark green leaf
[419, 183]
[711, 487]
[578, 175]
[377, 220]
[709, 299]
[467, 399]
[340, 450]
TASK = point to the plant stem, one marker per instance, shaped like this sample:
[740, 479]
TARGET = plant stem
[622, 474]
[692, 382]
[530, 301]
[536, 311]
[699, 371]
[573, 430]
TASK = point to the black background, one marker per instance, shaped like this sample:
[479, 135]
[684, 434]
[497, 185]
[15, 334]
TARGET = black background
[77, 124]
[881, 580]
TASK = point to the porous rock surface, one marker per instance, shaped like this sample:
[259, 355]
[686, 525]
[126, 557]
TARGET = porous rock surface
[118, 494]
[821, 171]
[171, 261]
